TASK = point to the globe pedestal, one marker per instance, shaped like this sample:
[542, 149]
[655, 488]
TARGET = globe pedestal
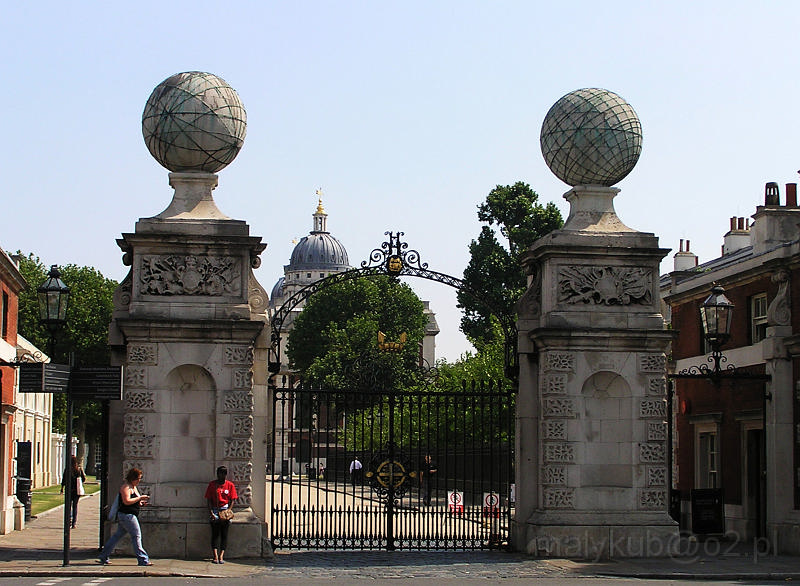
[591, 438]
[190, 326]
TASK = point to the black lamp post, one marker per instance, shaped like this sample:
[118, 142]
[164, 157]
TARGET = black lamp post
[53, 301]
[716, 315]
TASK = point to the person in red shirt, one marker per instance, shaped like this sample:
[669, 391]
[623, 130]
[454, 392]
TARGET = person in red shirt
[220, 495]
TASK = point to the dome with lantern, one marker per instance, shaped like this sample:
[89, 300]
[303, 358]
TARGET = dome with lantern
[316, 256]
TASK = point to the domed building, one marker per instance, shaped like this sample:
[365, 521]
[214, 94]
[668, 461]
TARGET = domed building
[316, 256]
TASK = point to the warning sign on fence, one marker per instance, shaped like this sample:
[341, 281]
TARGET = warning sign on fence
[455, 501]
[491, 504]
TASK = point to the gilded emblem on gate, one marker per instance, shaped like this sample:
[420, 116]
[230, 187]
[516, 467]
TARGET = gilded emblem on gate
[394, 264]
[390, 473]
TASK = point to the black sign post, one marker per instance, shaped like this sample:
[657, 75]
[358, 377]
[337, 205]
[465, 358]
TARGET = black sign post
[97, 383]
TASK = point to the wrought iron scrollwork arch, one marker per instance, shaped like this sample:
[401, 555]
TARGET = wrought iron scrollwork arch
[393, 259]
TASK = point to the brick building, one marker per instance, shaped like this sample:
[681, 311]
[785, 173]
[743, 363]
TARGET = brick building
[742, 435]
[11, 283]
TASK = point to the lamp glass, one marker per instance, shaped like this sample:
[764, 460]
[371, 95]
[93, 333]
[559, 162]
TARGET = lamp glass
[717, 315]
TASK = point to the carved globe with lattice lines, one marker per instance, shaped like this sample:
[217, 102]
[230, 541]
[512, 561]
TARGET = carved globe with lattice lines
[591, 137]
[194, 121]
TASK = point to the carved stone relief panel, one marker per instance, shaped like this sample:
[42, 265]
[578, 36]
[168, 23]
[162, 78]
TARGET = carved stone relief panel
[245, 499]
[556, 407]
[134, 423]
[242, 425]
[656, 431]
[143, 354]
[554, 384]
[554, 475]
[559, 452]
[554, 429]
[559, 498]
[652, 453]
[653, 499]
[655, 363]
[237, 402]
[238, 449]
[139, 446]
[241, 472]
[652, 409]
[140, 401]
[242, 378]
[605, 285]
[559, 361]
[656, 476]
[136, 377]
[657, 386]
[190, 275]
[238, 355]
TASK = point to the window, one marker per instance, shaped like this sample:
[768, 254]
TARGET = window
[322, 275]
[758, 318]
[308, 275]
[707, 460]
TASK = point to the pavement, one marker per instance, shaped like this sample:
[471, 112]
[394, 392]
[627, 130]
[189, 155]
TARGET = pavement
[38, 551]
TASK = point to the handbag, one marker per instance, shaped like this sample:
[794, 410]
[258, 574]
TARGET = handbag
[79, 490]
[226, 514]
[112, 512]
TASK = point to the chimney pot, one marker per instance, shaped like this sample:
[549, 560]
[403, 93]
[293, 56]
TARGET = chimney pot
[772, 194]
[741, 224]
[687, 246]
[733, 223]
[791, 195]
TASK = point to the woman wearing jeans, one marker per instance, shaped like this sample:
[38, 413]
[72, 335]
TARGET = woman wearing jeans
[130, 500]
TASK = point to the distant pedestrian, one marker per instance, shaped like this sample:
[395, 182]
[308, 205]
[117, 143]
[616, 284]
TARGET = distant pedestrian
[78, 478]
[220, 494]
[356, 471]
[130, 501]
[428, 479]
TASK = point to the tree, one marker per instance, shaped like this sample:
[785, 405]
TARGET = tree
[85, 334]
[495, 270]
[333, 341]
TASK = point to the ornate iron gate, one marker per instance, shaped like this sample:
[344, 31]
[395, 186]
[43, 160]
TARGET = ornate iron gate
[320, 499]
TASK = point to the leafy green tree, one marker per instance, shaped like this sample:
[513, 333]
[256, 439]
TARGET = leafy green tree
[84, 336]
[494, 269]
[333, 342]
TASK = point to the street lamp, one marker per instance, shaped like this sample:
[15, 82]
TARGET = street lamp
[716, 314]
[53, 300]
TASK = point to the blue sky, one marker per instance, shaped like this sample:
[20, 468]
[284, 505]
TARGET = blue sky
[405, 113]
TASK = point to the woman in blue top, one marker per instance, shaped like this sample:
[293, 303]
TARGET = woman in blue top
[130, 500]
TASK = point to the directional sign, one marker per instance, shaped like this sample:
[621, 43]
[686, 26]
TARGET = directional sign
[96, 382]
[43, 377]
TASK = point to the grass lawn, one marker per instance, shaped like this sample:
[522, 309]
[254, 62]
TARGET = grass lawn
[44, 499]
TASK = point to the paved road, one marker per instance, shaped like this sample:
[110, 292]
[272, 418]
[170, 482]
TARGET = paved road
[37, 551]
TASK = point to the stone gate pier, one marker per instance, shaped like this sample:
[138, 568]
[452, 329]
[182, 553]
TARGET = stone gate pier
[591, 433]
[190, 328]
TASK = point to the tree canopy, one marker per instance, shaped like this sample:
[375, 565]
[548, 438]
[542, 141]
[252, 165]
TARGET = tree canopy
[333, 342]
[85, 332]
[494, 269]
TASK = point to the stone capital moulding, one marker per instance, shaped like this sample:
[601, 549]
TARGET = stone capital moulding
[779, 311]
[175, 274]
[605, 285]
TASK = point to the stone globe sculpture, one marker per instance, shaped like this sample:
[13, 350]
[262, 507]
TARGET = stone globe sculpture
[194, 122]
[591, 137]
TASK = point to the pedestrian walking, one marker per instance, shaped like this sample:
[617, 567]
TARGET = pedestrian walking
[130, 501]
[356, 471]
[428, 479]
